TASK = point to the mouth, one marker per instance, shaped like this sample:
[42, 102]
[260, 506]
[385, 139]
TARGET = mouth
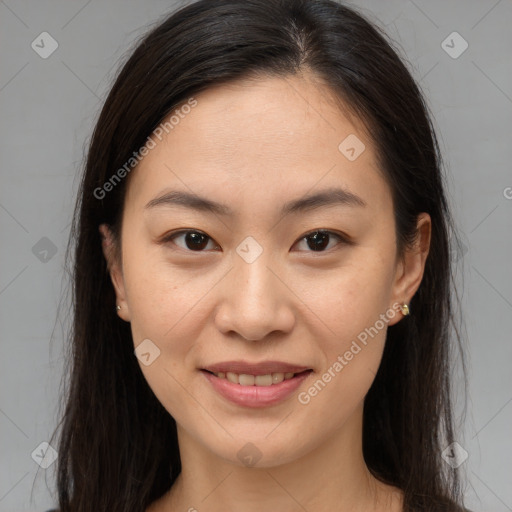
[256, 387]
[268, 379]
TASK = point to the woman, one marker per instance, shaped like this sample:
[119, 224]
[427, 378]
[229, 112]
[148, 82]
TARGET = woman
[262, 275]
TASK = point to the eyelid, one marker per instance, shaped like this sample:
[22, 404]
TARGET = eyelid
[173, 234]
[342, 237]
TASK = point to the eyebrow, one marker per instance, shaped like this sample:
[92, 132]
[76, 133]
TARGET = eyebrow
[327, 197]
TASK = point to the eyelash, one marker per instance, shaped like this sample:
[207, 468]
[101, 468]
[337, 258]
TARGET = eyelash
[343, 239]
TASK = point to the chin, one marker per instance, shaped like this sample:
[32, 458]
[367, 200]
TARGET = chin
[261, 451]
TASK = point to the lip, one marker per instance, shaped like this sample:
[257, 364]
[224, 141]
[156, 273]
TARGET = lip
[263, 368]
[256, 396]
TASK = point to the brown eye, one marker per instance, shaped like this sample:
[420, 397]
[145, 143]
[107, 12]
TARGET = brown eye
[191, 240]
[320, 240]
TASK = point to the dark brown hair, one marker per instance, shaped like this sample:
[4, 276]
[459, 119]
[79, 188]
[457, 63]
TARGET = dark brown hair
[118, 449]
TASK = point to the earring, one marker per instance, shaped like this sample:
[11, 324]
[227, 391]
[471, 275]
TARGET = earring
[118, 307]
[405, 309]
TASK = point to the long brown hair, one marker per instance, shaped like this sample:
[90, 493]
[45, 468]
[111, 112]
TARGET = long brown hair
[118, 448]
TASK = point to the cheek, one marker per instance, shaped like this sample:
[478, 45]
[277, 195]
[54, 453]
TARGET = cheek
[352, 336]
[345, 301]
[162, 297]
[333, 397]
[165, 307]
[349, 312]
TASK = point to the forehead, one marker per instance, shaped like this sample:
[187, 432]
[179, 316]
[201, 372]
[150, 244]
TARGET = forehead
[273, 138]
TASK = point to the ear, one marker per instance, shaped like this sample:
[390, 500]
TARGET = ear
[410, 270]
[114, 268]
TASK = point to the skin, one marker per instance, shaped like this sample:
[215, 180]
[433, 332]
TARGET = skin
[254, 146]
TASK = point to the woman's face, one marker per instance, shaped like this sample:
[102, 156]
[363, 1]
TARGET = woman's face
[246, 284]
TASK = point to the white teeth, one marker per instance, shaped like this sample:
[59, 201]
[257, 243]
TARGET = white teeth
[263, 380]
[255, 380]
[232, 377]
[277, 378]
[246, 380]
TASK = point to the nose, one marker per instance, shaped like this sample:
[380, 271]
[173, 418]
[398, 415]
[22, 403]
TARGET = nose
[254, 301]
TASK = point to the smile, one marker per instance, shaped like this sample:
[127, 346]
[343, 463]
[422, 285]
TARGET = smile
[255, 390]
[255, 380]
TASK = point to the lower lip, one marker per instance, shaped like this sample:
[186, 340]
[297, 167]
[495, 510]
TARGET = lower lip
[255, 396]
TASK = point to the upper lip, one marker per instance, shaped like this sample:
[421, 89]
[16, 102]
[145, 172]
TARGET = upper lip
[263, 368]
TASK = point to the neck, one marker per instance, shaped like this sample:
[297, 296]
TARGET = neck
[333, 476]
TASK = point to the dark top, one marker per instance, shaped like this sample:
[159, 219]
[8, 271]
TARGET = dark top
[55, 510]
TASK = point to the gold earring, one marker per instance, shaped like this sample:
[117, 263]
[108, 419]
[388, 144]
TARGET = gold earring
[405, 309]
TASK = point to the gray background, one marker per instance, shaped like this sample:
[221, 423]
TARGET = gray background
[48, 110]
